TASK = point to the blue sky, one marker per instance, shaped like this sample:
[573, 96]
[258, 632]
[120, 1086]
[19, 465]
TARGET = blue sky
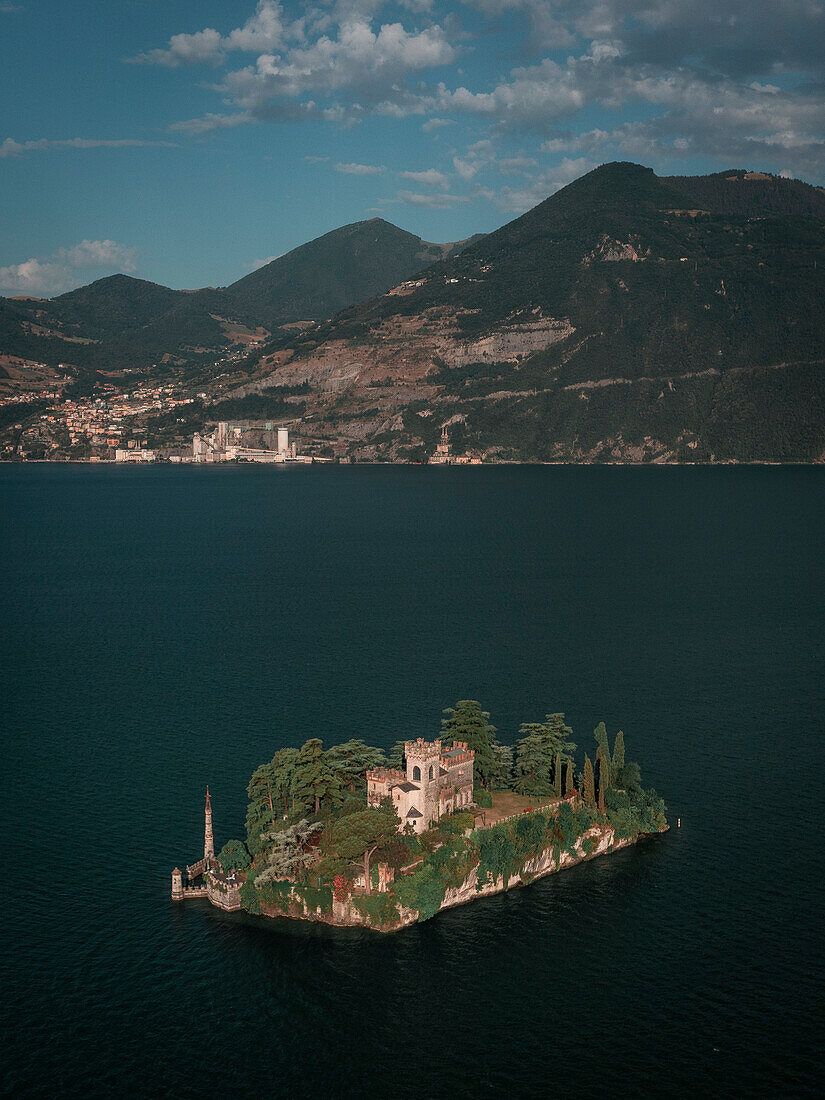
[186, 141]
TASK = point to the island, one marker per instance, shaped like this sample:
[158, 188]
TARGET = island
[352, 836]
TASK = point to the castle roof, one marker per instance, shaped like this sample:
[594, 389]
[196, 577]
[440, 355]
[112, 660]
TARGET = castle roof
[406, 786]
[412, 812]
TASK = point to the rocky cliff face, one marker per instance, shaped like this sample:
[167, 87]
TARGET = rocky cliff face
[345, 913]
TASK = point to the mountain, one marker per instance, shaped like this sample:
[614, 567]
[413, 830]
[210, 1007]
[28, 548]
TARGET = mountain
[626, 317]
[332, 272]
[120, 321]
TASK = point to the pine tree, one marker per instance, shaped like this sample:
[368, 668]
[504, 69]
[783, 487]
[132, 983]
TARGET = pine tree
[467, 722]
[502, 767]
[351, 761]
[395, 757]
[617, 763]
[589, 792]
[314, 779]
[534, 762]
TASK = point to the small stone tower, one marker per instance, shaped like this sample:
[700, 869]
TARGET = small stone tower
[423, 763]
[177, 885]
[208, 839]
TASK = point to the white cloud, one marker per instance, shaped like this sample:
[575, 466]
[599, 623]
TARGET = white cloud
[536, 188]
[66, 268]
[428, 178]
[357, 59]
[211, 122]
[7, 8]
[436, 124]
[434, 201]
[478, 156]
[264, 31]
[513, 165]
[360, 169]
[12, 148]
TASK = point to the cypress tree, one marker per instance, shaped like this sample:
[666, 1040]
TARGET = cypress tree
[589, 793]
[557, 766]
[600, 734]
[603, 777]
[569, 785]
[617, 762]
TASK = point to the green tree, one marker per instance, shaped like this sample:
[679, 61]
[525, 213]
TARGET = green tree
[234, 856]
[351, 760]
[395, 757]
[269, 792]
[534, 761]
[356, 838]
[314, 780]
[569, 782]
[617, 763]
[541, 752]
[602, 773]
[589, 791]
[287, 852]
[502, 773]
[600, 734]
[467, 722]
[629, 778]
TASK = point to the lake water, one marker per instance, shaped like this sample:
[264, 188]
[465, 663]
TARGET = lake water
[166, 628]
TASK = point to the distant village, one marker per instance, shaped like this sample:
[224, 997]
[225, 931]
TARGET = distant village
[140, 425]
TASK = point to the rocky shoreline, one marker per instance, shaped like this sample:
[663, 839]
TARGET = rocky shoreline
[346, 914]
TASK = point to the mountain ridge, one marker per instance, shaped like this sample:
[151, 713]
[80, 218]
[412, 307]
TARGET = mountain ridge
[560, 336]
[138, 322]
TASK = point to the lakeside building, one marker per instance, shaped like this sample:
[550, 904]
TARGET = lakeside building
[436, 782]
[246, 441]
[443, 455]
[134, 454]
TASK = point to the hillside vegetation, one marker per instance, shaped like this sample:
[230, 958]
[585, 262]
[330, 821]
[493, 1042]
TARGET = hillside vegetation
[120, 321]
[626, 317]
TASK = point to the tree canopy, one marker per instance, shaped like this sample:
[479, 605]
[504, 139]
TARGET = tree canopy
[351, 760]
[313, 779]
[356, 837]
[234, 856]
[467, 722]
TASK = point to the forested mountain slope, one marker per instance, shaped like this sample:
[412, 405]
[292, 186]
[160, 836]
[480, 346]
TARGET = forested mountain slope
[626, 316]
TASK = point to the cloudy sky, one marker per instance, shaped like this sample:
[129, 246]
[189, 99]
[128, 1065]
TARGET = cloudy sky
[187, 141]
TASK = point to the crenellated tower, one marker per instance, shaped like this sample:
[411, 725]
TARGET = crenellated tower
[423, 763]
[208, 838]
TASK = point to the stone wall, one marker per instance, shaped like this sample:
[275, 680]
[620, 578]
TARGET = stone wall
[227, 898]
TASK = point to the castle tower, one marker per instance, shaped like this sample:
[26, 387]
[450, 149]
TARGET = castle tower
[177, 885]
[208, 839]
[423, 763]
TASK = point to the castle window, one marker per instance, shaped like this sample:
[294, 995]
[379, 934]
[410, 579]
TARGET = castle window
[431, 771]
[416, 774]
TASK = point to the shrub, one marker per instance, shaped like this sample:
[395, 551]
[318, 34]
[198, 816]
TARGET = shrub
[234, 856]
[423, 891]
[456, 823]
[482, 797]
[378, 909]
[316, 897]
[249, 898]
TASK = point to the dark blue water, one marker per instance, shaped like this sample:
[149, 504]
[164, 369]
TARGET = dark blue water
[165, 628]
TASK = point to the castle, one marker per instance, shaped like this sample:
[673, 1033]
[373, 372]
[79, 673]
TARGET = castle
[436, 782]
